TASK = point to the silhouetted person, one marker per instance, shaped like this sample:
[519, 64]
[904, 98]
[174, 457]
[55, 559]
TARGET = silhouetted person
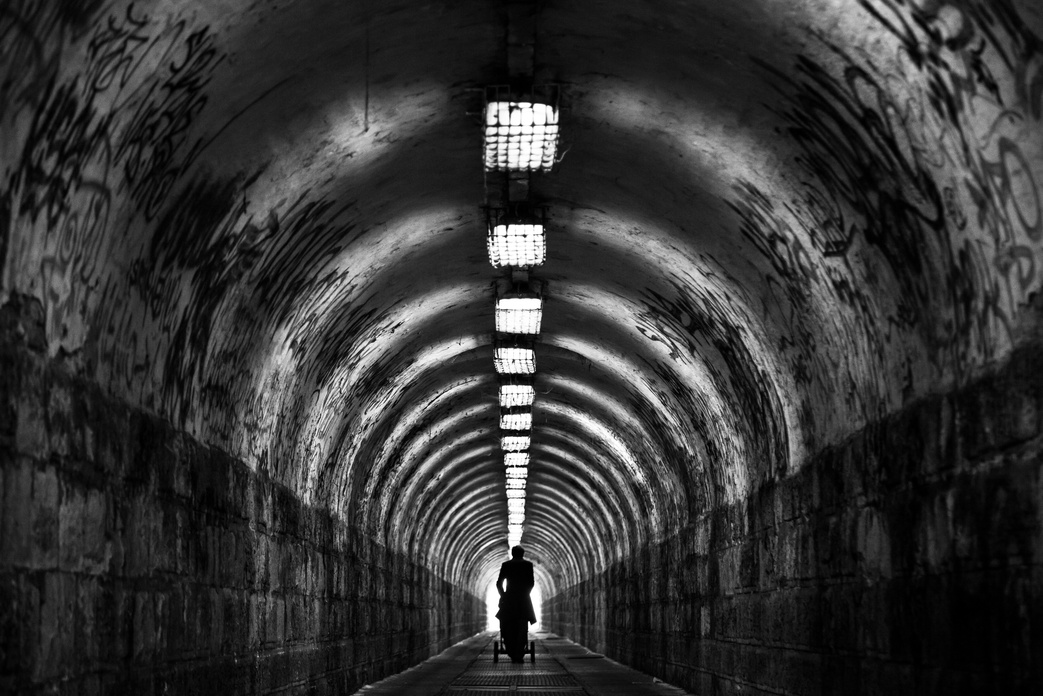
[515, 604]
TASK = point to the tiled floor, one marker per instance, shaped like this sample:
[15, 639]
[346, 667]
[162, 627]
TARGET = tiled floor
[561, 668]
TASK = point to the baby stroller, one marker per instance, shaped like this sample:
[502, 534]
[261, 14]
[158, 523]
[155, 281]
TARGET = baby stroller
[500, 649]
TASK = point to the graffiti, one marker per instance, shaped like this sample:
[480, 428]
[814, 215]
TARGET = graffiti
[919, 160]
[734, 371]
[117, 130]
[28, 58]
[153, 147]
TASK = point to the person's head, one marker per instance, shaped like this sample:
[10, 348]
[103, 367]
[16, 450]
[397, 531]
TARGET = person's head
[517, 552]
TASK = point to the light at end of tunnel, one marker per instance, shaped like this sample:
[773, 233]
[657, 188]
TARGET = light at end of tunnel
[514, 539]
[519, 420]
[520, 245]
[519, 314]
[513, 360]
[520, 136]
[516, 459]
[514, 443]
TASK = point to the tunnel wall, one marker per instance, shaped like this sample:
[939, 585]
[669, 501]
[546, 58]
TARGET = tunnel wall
[905, 560]
[135, 559]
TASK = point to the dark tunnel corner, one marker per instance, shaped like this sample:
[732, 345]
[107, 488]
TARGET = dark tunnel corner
[904, 559]
[135, 559]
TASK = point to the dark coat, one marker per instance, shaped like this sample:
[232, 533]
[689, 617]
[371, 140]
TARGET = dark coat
[515, 602]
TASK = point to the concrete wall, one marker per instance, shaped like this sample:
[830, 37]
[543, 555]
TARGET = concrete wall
[134, 559]
[905, 560]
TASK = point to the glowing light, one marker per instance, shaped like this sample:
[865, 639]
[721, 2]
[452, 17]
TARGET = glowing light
[521, 245]
[515, 484]
[515, 517]
[521, 420]
[520, 136]
[517, 472]
[516, 459]
[514, 443]
[512, 395]
[519, 314]
[514, 360]
[513, 494]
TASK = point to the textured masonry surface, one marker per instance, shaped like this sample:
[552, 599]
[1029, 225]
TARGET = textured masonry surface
[904, 560]
[135, 560]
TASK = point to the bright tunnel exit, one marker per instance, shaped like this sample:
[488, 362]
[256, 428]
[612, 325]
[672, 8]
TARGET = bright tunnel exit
[492, 605]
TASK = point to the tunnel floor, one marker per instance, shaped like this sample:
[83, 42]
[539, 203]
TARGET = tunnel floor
[561, 668]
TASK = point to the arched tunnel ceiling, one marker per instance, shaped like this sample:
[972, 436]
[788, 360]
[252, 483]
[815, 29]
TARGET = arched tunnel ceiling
[772, 223]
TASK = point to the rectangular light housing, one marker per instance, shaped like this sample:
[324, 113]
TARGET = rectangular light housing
[517, 472]
[515, 395]
[516, 459]
[514, 443]
[517, 420]
[515, 517]
[515, 484]
[522, 245]
[513, 494]
[520, 136]
[514, 360]
[519, 314]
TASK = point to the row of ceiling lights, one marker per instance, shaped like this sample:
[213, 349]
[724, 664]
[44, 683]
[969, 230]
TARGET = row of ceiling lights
[520, 137]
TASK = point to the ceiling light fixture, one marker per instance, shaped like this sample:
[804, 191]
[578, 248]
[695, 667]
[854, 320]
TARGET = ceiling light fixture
[517, 472]
[517, 244]
[514, 395]
[516, 459]
[514, 443]
[520, 136]
[519, 314]
[516, 484]
[514, 360]
[517, 420]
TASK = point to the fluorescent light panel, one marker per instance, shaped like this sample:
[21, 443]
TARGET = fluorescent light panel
[515, 517]
[514, 395]
[515, 484]
[516, 421]
[511, 360]
[516, 459]
[514, 494]
[519, 245]
[520, 136]
[516, 472]
[519, 315]
[514, 443]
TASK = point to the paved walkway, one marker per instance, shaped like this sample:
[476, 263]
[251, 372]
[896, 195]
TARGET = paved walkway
[562, 668]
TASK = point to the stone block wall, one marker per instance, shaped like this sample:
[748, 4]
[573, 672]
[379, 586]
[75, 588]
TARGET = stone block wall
[137, 560]
[906, 560]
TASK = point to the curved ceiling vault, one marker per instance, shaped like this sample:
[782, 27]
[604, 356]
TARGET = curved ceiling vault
[772, 223]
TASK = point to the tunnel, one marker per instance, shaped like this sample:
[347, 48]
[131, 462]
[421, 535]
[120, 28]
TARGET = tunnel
[786, 413]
